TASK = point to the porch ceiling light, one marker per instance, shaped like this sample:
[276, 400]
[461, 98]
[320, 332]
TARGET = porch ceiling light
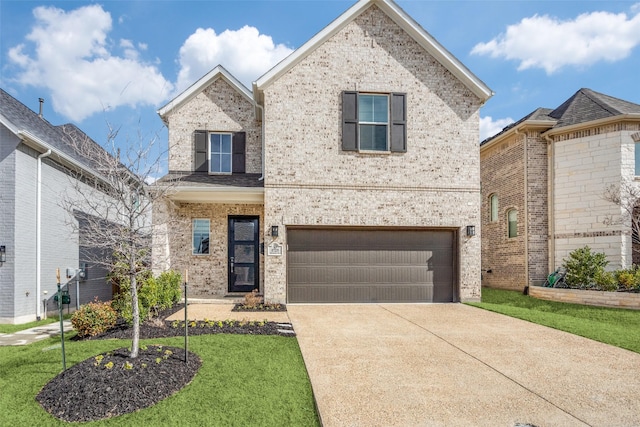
[471, 230]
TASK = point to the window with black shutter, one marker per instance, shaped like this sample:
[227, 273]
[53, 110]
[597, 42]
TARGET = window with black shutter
[374, 122]
[219, 152]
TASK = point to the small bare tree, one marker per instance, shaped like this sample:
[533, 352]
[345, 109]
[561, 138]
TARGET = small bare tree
[627, 197]
[110, 203]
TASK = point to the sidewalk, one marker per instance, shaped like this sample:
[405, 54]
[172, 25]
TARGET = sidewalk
[35, 334]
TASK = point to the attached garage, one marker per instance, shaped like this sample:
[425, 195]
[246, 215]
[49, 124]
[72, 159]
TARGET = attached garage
[360, 265]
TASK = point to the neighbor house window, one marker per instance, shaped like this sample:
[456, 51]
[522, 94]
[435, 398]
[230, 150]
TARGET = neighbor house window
[512, 218]
[493, 207]
[637, 155]
[374, 122]
[220, 153]
[201, 229]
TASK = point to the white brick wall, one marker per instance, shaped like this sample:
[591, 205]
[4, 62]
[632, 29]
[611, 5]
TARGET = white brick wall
[310, 181]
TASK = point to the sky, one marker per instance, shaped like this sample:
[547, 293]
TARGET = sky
[111, 64]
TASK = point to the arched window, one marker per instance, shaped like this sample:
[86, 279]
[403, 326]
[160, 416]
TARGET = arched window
[493, 207]
[512, 218]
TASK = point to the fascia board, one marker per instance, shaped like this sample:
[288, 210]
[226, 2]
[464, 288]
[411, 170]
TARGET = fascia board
[528, 124]
[593, 123]
[218, 72]
[405, 22]
[36, 143]
[217, 195]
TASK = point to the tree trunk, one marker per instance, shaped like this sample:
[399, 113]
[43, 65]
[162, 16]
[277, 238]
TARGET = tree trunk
[135, 311]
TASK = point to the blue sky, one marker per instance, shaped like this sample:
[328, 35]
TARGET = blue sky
[115, 62]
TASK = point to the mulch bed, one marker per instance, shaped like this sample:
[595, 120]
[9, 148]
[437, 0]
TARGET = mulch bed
[115, 384]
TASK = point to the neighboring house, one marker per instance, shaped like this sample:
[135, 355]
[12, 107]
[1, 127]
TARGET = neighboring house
[35, 165]
[544, 180]
[350, 173]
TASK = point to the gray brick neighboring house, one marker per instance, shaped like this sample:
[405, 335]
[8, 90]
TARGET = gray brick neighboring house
[34, 230]
[543, 185]
[349, 173]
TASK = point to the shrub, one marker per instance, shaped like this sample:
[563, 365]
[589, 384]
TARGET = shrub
[629, 279]
[94, 318]
[582, 267]
[252, 299]
[606, 280]
[154, 294]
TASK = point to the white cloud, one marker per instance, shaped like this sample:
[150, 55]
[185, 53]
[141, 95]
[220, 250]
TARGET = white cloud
[490, 127]
[550, 43]
[69, 53]
[245, 53]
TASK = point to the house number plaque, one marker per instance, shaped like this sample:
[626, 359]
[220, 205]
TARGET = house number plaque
[274, 249]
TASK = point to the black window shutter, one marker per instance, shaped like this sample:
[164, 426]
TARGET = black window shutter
[398, 123]
[200, 151]
[238, 146]
[349, 121]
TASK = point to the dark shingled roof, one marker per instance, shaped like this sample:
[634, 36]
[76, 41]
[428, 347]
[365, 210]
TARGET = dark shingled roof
[188, 179]
[584, 106]
[58, 137]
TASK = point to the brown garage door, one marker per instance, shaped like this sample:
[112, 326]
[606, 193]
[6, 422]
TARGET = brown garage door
[363, 265]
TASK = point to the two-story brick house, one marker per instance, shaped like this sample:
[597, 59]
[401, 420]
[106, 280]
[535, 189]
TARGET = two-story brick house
[349, 173]
[544, 180]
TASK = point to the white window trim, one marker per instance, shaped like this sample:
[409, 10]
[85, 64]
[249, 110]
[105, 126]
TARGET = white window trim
[387, 123]
[193, 245]
[209, 153]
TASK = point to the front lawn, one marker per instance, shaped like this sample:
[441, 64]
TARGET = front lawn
[244, 380]
[11, 329]
[613, 326]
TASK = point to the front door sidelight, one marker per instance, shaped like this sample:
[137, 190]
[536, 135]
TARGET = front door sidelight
[244, 253]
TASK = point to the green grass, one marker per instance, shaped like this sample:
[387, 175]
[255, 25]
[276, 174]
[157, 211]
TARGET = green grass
[10, 329]
[245, 380]
[618, 327]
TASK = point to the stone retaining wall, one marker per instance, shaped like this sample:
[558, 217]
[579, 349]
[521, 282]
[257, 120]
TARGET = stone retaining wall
[578, 296]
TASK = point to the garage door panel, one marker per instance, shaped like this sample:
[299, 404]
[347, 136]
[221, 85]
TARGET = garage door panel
[362, 265]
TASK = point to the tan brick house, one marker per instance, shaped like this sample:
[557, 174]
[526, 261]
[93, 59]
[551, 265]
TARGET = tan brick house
[544, 180]
[349, 173]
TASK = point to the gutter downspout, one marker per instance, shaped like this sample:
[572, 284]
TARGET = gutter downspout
[261, 138]
[551, 202]
[38, 231]
[526, 206]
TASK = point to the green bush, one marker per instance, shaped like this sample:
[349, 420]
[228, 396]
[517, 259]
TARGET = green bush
[606, 281]
[582, 267]
[154, 294]
[94, 318]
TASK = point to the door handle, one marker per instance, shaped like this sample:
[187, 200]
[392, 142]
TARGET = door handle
[231, 261]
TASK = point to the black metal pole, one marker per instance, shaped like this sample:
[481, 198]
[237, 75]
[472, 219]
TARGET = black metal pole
[186, 325]
[64, 362]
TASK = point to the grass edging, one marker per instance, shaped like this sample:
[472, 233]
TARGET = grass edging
[614, 326]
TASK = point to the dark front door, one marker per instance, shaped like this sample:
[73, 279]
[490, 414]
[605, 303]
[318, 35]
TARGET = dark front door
[244, 250]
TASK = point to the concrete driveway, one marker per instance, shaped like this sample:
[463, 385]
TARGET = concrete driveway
[455, 365]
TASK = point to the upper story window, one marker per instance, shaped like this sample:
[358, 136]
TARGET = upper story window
[200, 237]
[374, 122]
[493, 207]
[512, 222]
[219, 152]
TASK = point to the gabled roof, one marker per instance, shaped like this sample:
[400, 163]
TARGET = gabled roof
[217, 73]
[405, 22]
[34, 129]
[586, 105]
